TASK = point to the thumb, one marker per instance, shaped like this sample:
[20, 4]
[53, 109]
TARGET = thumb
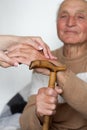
[59, 90]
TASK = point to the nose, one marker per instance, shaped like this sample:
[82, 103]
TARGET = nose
[71, 21]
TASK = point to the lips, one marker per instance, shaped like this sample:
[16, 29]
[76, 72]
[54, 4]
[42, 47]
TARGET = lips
[70, 32]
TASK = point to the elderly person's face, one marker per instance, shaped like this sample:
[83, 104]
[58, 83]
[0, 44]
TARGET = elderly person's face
[72, 22]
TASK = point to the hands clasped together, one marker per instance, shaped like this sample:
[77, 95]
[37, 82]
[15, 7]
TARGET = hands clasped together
[22, 49]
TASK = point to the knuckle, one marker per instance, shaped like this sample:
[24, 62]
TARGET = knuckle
[19, 50]
[50, 112]
[42, 90]
[53, 106]
[51, 91]
[52, 100]
[35, 53]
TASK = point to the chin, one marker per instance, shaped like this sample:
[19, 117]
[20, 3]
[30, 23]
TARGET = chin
[70, 41]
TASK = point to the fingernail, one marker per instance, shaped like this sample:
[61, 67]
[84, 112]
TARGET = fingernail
[40, 48]
[6, 52]
[16, 64]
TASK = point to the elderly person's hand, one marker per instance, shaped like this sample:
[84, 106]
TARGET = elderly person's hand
[35, 42]
[47, 71]
[25, 54]
[46, 100]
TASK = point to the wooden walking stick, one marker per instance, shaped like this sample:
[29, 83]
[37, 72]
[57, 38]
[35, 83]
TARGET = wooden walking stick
[52, 79]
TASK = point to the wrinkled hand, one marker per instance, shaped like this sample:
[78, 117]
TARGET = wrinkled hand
[46, 101]
[25, 54]
[9, 43]
[41, 45]
[35, 42]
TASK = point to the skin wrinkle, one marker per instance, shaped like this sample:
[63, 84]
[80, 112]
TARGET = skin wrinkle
[70, 50]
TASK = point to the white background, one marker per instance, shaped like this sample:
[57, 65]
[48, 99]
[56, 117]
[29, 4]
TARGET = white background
[25, 17]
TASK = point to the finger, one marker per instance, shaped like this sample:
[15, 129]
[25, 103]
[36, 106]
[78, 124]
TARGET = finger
[51, 92]
[34, 42]
[58, 89]
[47, 52]
[4, 64]
[24, 43]
[18, 53]
[17, 46]
[23, 60]
[45, 47]
[4, 58]
[48, 109]
[43, 71]
[46, 112]
[50, 54]
[25, 56]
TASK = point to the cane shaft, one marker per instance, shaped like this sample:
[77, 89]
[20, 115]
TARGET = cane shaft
[51, 84]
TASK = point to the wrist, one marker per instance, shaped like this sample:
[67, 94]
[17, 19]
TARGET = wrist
[62, 76]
